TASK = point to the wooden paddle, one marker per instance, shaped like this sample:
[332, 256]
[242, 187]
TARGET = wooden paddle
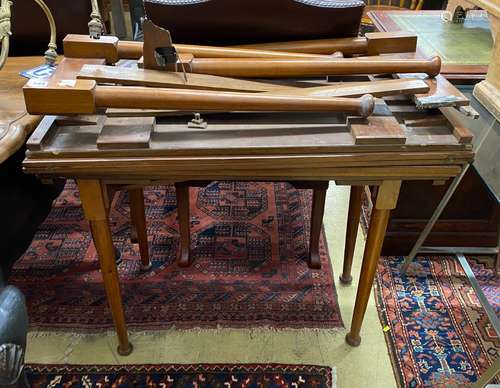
[158, 78]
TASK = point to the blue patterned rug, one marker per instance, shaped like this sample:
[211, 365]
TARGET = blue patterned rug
[436, 330]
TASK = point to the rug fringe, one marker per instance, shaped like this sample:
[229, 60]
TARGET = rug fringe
[197, 330]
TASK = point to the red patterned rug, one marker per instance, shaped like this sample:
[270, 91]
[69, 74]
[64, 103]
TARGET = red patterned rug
[180, 376]
[249, 244]
[438, 334]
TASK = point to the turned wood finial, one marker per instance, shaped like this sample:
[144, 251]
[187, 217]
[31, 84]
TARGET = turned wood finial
[366, 106]
[434, 66]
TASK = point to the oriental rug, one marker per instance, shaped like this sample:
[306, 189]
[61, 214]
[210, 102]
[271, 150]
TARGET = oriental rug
[436, 330]
[180, 376]
[249, 245]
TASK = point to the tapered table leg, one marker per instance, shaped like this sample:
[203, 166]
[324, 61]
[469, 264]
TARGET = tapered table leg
[352, 231]
[94, 207]
[182, 194]
[138, 217]
[386, 200]
[317, 212]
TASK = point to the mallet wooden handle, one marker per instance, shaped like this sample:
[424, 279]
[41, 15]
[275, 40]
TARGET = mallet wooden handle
[373, 43]
[133, 50]
[272, 68]
[232, 52]
[129, 49]
[348, 46]
[183, 99]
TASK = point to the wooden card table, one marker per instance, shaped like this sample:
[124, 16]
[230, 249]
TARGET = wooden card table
[397, 143]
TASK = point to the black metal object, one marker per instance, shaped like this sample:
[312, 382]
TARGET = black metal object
[166, 55]
[136, 14]
[24, 204]
[13, 335]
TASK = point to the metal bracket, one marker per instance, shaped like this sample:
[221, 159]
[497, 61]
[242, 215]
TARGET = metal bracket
[197, 122]
[468, 111]
[158, 51]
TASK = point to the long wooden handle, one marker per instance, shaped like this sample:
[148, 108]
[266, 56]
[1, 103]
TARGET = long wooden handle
[272, 68]
[159, 98]
[373, 43]
[232, 52]
[133, 50]
[347, 46]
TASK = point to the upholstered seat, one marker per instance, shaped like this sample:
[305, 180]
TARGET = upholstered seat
[220, 22]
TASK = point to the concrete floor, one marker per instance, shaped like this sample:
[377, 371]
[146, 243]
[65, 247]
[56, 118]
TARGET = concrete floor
[365, 366]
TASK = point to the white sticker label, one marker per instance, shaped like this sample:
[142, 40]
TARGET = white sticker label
[67, 82]
[37, 83]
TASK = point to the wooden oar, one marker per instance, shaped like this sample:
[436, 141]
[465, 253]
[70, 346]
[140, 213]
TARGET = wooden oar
[164, 79]
[84, 96]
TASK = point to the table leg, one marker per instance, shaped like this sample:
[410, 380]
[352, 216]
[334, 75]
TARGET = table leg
[182, 195]
[94, 207]
[317, 212]
[352, 231]
[138, 217]
[108, 192]
[386, 201]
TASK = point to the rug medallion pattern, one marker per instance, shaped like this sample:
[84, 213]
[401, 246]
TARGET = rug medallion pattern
[249, 249]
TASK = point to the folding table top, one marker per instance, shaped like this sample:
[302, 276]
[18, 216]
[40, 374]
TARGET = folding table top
[109, 143]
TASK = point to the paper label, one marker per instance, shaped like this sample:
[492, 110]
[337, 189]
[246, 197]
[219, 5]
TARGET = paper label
[37, 83]
[67, 82]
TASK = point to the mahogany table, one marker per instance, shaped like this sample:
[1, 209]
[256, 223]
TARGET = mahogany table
[397, 143]
[15, 123]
